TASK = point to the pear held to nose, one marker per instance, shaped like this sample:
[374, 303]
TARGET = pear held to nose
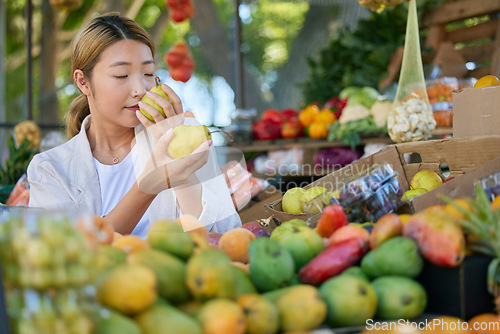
[158, 90]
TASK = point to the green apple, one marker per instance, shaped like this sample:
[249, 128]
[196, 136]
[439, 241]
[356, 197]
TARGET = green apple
[291, 200]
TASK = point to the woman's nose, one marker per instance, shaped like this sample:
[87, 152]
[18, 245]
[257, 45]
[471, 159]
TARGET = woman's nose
[139, 89]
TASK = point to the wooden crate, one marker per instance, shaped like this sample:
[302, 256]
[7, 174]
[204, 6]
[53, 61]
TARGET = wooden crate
[478, 41]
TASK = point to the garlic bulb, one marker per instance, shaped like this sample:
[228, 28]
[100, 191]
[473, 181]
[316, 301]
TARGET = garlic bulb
[412, 120]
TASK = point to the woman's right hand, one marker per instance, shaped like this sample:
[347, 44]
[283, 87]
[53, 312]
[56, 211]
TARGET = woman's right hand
[174, 114]
[163, 172]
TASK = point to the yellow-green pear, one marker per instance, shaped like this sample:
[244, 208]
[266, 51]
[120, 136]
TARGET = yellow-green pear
[290, 202]
[158, 90]
[426, 179]
[186, 139]
[413, 193]
[309, 195]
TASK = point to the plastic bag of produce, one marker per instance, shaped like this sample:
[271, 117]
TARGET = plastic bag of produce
[242, 185]
[411, 118]
[20, 195]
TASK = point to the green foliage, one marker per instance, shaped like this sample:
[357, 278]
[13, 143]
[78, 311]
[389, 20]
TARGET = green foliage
[358, 58]
[17, 162]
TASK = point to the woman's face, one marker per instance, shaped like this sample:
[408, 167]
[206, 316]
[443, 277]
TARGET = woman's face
[121, 77]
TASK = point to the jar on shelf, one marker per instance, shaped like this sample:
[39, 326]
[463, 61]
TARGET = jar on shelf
[241, 125]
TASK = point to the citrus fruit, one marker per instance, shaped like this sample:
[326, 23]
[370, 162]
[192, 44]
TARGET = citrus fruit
[487, 81]
[495, 204]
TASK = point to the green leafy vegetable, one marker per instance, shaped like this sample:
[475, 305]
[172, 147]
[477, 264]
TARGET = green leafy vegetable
[350, 133]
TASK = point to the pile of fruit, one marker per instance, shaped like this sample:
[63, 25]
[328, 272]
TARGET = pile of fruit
[250, 280]
[47, 266]
[184, 279]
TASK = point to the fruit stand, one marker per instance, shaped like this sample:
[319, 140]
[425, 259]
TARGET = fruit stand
[405, 240]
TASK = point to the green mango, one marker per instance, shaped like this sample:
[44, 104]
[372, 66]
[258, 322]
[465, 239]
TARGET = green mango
[399, 297]
[116, 323]
[351, 300]
[271, 264]
[169, 270]
[302, 242]
[242, 283]
[397, 256]
[356, 271]
[167, 319]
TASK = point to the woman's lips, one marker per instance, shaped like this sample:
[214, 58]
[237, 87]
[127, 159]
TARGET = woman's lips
[133, 108]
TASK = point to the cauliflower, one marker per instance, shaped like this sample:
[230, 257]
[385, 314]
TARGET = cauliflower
[353, 113]
[411, 121]
[380, 112]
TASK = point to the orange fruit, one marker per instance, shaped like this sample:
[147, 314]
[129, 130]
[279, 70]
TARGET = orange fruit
[235, 244]
[485, 323]
[437, 207]
[130, 243]
[495, 205]
[454, 212]
[487, 81]
[404, 218]
[447, 325]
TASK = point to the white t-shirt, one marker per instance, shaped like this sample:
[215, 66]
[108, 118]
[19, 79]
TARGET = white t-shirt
[115, 181]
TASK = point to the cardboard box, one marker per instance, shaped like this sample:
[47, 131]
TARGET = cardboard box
[461, 291]
[453, 157]
[475, 111]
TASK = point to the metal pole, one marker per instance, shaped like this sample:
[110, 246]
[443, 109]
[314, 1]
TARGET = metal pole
[29, 70]
[238, 64]
[4, 321]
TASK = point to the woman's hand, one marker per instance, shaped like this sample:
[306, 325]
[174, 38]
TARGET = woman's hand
[163, 172]
[173, 112]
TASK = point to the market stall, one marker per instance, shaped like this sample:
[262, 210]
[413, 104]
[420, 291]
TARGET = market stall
[368, 212]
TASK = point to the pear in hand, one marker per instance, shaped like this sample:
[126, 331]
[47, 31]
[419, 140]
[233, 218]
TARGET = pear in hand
[186, 139]
[158, 90]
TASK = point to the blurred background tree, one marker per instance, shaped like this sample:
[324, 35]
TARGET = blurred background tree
[277, 38]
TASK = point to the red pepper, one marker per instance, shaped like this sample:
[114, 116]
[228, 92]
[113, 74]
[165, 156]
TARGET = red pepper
[266, 130]
[336, 104]
[332, 261]
[272, 115]
[291, 129]
[289, 113]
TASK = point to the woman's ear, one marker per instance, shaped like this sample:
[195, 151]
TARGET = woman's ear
[81, 82]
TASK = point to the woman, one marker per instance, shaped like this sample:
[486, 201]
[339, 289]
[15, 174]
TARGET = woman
[115, 164]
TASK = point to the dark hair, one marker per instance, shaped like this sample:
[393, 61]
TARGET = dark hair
[88, 45]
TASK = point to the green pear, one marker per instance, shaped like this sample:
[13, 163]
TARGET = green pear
[186, 139]
[413, 193]
[426, 179]
[291, 200]
[158, 90]
[309, 195]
